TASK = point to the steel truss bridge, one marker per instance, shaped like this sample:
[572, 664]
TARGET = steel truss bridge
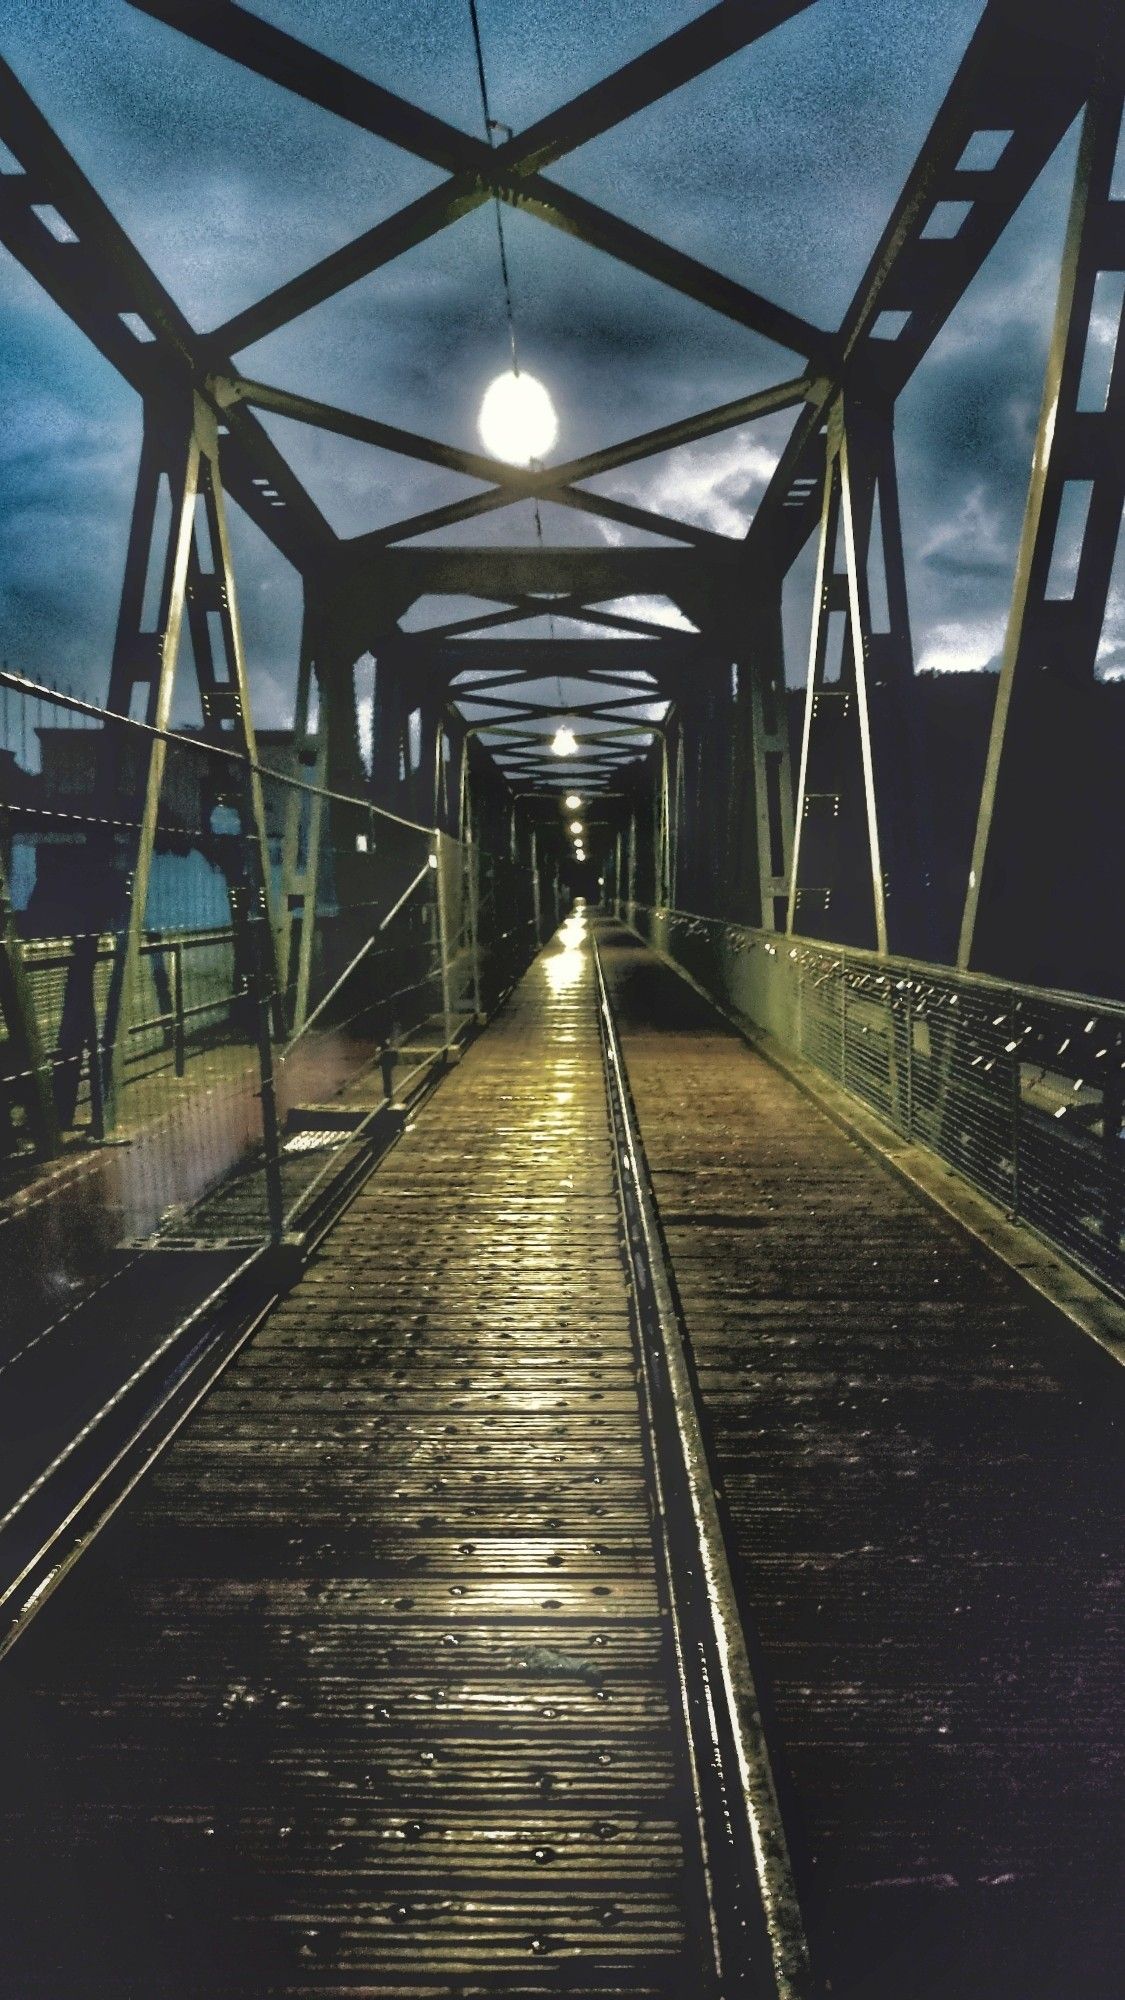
[570, 1460]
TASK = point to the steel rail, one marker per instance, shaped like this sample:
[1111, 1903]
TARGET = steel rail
[757, 1932]
[791, 945]
[201, 747]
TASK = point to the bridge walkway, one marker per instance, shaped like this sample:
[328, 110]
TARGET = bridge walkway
[368, 1689]
[921, 1470]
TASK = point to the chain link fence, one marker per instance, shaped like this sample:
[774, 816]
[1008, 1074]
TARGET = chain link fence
[1019, 1089]
[215, 980]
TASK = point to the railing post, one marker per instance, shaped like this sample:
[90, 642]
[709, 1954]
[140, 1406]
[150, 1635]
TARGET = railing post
[443, 937]
[843, 1021]
[909, 1056]
[262, 1000]
[387, 1071]
[250, 919]
[1014, 1094]
[178, 1006]
[94, 1044]
[1112, 1105]
[474, 919]
[535, 894]
[17, 1010]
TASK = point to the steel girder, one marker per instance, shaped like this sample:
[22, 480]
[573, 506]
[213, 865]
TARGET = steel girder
[1050, 786]
[1027, 72]
[856, 872]
[92, 270]
[192, 562]
[480, 171]
[1029, 69]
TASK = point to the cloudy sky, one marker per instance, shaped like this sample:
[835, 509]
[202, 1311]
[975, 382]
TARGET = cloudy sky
[779, 168]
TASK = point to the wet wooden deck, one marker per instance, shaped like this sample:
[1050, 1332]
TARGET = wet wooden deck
[922, 1475]
[366, 1692]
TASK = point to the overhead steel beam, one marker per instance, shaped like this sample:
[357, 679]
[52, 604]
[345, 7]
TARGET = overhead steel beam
[517, 734]
[1027, 72]
[616, 621]
[58, 227]
[528, 711]
[609, 509]
[232, 31]
[647, 691]
[547, 607]
[480, 171]
[521, 484]
[543, 659]
[512, 485]
[685, 430]
[512, 614]
[401, 575]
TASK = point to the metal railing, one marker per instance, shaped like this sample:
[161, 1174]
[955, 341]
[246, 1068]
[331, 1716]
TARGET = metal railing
[217, 985]
[1018, 1088]
[221, 989]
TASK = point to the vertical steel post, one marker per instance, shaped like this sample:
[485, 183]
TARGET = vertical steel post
[305, 817]
[178, 1038]
[25, 1044]
[818, 647]
[1026, 858]
[99, 1124]
[159, 678]
[909, 1057]
[263, 1003]
[857, 770]
[537, 914]
[860, 616]
[1015, 1091]
[443, 935]
[762, 744]
[471, 865]
[631, 872]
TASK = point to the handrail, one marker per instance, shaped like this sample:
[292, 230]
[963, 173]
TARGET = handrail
[198, 746]
[792, 943]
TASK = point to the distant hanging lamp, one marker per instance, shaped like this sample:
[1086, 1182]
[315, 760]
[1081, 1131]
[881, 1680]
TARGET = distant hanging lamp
[564, 743]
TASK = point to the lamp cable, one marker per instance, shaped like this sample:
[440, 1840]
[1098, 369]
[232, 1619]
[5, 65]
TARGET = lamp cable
[491, 126]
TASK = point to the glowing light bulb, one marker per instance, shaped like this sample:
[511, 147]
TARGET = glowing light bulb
[517, 419]
[572, 802]
[564, 742]
[576, 826]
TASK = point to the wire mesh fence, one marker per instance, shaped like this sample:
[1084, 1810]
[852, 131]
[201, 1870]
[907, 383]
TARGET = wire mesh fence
[1021, 1090]
[214, 978]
